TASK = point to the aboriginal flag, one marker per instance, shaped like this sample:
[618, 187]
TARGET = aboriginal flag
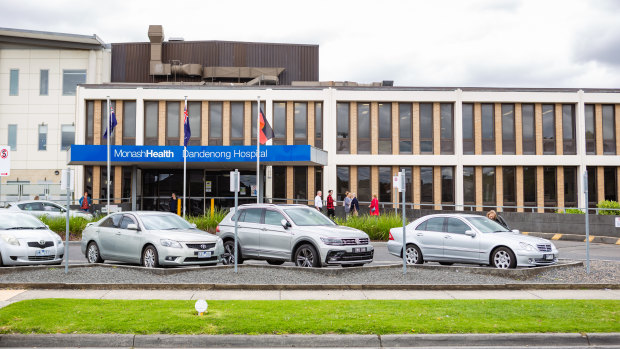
[266, 132]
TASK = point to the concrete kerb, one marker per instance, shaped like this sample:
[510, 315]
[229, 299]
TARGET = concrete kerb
[610, 240]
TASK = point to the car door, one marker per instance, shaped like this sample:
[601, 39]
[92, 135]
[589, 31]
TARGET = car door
[106, 235]
[430, 235]
[248, 231]
[275, 241]
[128, 241]
[457, 246]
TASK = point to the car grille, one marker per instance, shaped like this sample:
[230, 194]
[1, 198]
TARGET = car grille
[37, 244]
[350, 256]
[196, 259]
[41, 258]
[544, 247]
[203, 246]
[361, 241]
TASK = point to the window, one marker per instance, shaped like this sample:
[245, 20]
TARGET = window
[318, 125]
[318, 181]
[237, 123]
[610, 183]
[447, 187]
[300, 180]
[550, 191]
[194, 109]
[67, 136]
[405, 130]
[88, 179]
[103, 182]
[255, 119]
[363, 183]
[408, 184]
[279, 123]
[529, 186]
[126, 182]
[129, 123]
[252, 215]
[70, 79]
[426, 186]
[488, 186]
[590, 129]
[435, 224]
[456, 226]
[529, 136]
[301, 123]
[508, 129]
[568, 129]
[14, 82]
[342, 129]
[215, 123]
[548, 122]
[44, 82]
[509, 195]
[385, 184]
[363, 128]
[12, 138]
[172, 123]
[90, 119]
[469, 185]
[343, 180]
[488, 129]
[151, 123]
[273, 218]
[426, 128]
[468, 129]
[447, 127]
[570, 186]
[592, 186]
[385, 128]
[42, 137]
[609, 130]
[126, 221]
[104, 120]
[279, 176]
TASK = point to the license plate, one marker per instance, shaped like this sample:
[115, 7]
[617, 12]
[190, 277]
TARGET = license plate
[204, 254]
[359, 249]
[549, 257]
[42, 252]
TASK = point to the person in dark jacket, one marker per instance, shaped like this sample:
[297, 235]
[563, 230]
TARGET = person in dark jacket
[173, 203]
[355, 205]
[331, 210]
[492, 215]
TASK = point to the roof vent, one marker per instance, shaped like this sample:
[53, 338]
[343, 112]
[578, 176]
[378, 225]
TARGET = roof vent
[387, 83]
[175, 38]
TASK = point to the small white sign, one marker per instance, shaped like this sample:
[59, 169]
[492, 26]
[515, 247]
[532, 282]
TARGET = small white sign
[5, 160]
[617, 222]
[201, 306]
[234, 181]
[398, 182]
[253, 189]
[113, 208]
[63, 180]
[208, 186]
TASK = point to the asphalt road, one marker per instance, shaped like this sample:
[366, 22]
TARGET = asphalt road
[568, 250]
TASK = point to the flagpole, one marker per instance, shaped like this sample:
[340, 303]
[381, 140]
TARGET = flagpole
[258, 200]
[108, 138]
[184, 157]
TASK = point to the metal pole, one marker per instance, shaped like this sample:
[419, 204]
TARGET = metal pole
[585, 190]
[108, 138]
[236, 179]
[402, 183]
[258, 200]
[68, 181]
[184, 163]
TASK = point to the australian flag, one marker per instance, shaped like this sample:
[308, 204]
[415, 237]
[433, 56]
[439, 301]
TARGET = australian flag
[112, 124]
[186, 129]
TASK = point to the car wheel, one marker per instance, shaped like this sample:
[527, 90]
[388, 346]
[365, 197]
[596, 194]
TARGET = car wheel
[306, 256]
[503, 258]
[446, 263]
[150, 258]
[275, 262]
[413, 255]
[1, 264]
[229, 253]
[92, 253]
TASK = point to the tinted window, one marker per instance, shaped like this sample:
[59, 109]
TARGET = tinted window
[421, 226]
[273, 217]
[111, 221]
[252, 215]
[435, 224]
[456, 226]
[126, 221]
[33, 206]
[51, 207]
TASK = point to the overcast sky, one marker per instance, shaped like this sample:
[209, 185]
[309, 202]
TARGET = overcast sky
[503, 43]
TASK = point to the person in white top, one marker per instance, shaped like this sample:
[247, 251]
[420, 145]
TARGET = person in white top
[318, 201]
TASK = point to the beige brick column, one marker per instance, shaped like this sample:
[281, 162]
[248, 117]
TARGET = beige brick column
[559, 137]
[226, 123]
[415, 121]
[600, 183]
[290, 126]
[479, 201]
[311, 191]
[478, 130]
[499, 187]
[538, 128]
[97, 134]
[498, 132]
[436, 128]
[437, 187]
[247, 123]
[374, 128]
[118, 172]
[559, 175]
[353, 130]
[416, 186]
[374, 180]
[518, 130]
[540, 188]
[519, 188]
[396, 195]
[598, 124]
[96, 183]
[204, 123]
[161, 130]
[353, 179]
[617, 113]
[311, 123]
[118, 130]
[289, 184]
[396, 130]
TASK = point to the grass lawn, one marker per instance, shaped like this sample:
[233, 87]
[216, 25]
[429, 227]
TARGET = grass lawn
[310, 317]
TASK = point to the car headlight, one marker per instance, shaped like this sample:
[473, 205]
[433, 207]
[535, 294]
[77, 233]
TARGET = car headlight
[219, 244]
[527, 247]
[58, 241]
[10, 239]
[170, 243]
[332, 241]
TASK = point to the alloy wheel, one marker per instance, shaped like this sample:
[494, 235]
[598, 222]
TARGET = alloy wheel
[502, 259]
[305, 257]
[412, 255]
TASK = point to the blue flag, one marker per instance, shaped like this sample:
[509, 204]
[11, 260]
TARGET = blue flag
[112, 124]
[186, 129]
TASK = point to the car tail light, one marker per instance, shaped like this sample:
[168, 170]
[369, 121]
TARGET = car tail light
[391, 237]
[217, 229]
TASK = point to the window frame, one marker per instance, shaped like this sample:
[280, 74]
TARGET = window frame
[343, 137]
[426, 137]
[528, 141]
[63, 146]
[42, 146]
[469, 143]
[364, 144]
[488, 144]
[548, 135]
[385, 143]
[14, 82]
[299, 121]
[44, 82]
[508, 125]
[129, 119]
[68, 72]
[446, 142]
[214, 114]
[152, 120]
[234, 115]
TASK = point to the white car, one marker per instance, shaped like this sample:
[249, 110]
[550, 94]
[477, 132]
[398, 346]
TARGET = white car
[25, 240]
[46, 208]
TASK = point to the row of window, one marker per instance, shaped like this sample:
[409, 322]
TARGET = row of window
[70, 79]
[67, 136]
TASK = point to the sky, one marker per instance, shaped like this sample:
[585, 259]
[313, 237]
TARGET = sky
[477, 43]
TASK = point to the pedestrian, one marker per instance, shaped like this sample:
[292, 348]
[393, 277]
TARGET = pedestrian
[36, 197]
[355, 205]
[318, 200]
[492, 215]
[85, 202]
[331, 210]
[347, 204]
[374, 205]
[173, 203]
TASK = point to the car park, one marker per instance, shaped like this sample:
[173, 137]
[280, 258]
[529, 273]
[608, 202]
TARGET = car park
[468, 238]
[296, 233]
[151, 239]
[46, 208]
[25, 240]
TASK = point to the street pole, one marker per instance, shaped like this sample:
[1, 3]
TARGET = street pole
[184, 161]
[585, 191]
[236, 181]
[68, 181]
[108, 171]
[402, 186]
[258, 200]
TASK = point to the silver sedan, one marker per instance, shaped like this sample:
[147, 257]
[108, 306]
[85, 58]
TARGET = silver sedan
[150, 239]
[462, 238]
[25, 240]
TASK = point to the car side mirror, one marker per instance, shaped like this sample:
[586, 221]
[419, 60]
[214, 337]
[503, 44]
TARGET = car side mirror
[516, 231]
[132, 226]
[285, 224]
[194, 225]
[470, 233]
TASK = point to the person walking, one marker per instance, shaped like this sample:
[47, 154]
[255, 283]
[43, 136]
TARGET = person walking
[355, 205]
[318, 200]
[374, 205]
[331, 210]
[347, 204]
[492, 215]
[173, 203]
[85, 202]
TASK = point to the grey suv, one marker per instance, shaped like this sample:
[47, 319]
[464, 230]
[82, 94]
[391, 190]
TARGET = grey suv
[297, 233]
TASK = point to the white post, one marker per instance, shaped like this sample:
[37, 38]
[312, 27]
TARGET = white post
[402, 189]
[258, 200]
[108, 138]
[184, 159]
[68, 179]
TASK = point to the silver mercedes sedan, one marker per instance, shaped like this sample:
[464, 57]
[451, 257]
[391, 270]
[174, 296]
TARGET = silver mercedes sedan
[151, 239]
[463, 238]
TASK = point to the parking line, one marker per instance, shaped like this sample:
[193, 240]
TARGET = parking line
[556, 237]
[591, 238]
[5, 295]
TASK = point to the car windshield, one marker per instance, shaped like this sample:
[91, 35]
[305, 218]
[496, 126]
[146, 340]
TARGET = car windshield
[486, 225]
[307, 216]
[20, 221]
[165, 222]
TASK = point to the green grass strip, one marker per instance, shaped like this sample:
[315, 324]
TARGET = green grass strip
[311, 317]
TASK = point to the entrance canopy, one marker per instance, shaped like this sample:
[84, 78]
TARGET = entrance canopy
[197, 156]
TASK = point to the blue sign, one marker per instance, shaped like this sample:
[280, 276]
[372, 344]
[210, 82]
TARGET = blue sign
[85, 154]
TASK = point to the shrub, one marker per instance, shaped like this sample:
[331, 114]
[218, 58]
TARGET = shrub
[206, 222]
[613, 207]
[571, 211]
[377, 227]
[59, 225]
